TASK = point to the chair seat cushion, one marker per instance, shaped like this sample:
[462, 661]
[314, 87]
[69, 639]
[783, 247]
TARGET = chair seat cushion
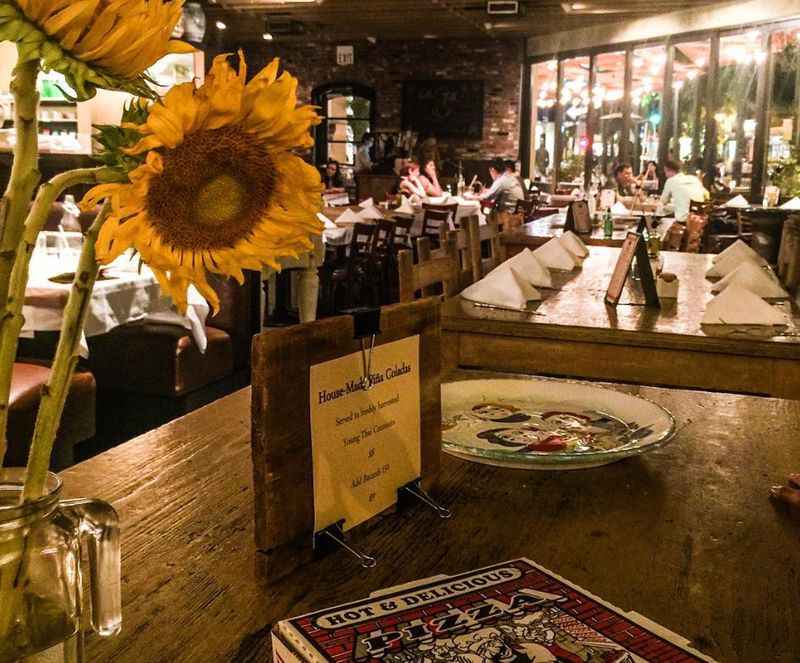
[158, 359]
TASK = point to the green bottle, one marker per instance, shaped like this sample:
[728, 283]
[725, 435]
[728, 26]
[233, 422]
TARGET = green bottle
[608, 224]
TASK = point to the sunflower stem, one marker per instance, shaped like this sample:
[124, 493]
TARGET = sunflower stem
[11, 319]
[55, 392]
[24, 170]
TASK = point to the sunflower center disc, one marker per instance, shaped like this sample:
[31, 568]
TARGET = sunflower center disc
[220, 201]
[215, 189]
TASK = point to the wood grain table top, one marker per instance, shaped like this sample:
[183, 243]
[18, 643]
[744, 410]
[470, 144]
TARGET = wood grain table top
[537, 232]
[575, 309]
[685, 535]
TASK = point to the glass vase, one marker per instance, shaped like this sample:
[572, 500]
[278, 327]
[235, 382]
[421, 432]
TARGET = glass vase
[42, 544]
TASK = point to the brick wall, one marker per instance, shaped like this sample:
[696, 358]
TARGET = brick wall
[385, 65]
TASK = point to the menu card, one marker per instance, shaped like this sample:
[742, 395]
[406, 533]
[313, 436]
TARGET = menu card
[514, 611]
[365, 442]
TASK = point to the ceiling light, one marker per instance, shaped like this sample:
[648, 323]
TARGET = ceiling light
[429, 36]
[267, 36]
[220, 25]
[577, 6]
[372, 40]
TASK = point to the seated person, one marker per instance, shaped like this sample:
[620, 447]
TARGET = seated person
[332, 178]
[413, 183]
[681, 189]
[624, 181]
[648, 180]
[506, 188]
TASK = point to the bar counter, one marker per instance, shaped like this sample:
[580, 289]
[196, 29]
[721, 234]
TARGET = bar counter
[685, 535]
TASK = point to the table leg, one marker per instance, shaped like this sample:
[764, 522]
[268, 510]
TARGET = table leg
[308, 294]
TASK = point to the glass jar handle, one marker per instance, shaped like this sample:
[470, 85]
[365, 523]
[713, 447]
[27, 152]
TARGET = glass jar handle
[98, 525]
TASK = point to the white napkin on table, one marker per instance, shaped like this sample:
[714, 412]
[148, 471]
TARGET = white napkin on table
[365, 204]
[574, 244]
[738, 248]
[732, 261]
[553, 255]
[757, 280]
[370, 214]
[326, 221]
[348, 217]
[738, 306]
[739, 202]
[794, 203]
[438, 200]
[618, 209]
[528, 267]
[405, 208]
[503, 287]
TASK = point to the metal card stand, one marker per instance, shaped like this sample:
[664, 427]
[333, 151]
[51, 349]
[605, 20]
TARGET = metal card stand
[281, 427]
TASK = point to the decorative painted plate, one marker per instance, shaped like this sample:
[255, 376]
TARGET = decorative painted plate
[548, 424]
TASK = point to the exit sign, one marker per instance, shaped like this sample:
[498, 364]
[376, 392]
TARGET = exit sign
[345, 56]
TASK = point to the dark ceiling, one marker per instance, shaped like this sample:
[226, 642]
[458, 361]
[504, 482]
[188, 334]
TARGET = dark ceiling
[413, 19]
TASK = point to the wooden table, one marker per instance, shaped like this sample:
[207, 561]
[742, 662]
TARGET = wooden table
[540, 231]
[574, 333]
[684, 535]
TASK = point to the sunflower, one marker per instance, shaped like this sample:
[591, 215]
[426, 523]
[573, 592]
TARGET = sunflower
[94, 43]
[219, 189]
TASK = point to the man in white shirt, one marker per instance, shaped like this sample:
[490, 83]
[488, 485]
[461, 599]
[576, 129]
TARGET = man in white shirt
[681, 189]
[506, 189]
[363, 161]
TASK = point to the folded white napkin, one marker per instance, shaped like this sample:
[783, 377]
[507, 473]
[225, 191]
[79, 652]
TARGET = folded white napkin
[405, 208]
[574, 244]
[326, 221]
[756, 279]
[370, 214]
[529, 268]
[504, 288]
[738, 306]
[738, 202]
[738, 248]
[618, 209]
[365, 204]
[554, 256]
[348, 216]
[794, 203]
[732, 261]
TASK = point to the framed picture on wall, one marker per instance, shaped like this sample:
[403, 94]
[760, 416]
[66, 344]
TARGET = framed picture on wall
[446, 109]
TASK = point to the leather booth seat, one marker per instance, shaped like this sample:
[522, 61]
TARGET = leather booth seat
[77, 422]
[159, 360]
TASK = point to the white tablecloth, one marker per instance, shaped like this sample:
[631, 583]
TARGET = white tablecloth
[127, 297]
[342, 235]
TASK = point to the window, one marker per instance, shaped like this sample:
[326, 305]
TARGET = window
[608, 98]
[647, 88]
[348, 111]
[735, 108]
[574, 97]
[784, 116]
[544, 88]
[689, 89]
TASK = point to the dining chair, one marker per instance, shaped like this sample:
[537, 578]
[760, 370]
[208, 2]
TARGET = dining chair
[435, 267]
[484, 246]
[433, 221]
[402, 232]
[789, 255]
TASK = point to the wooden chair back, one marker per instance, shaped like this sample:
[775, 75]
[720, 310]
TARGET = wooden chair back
[451, 208]
[789, 255]
[402, 231]
[435, 267]
[434, 223]
[695, 234]
[361, 243]
[477, 237]
[383, 241]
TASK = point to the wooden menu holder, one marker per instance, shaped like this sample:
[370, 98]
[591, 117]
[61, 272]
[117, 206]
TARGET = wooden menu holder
[281, 422]
[578, 218]
[634, 246]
